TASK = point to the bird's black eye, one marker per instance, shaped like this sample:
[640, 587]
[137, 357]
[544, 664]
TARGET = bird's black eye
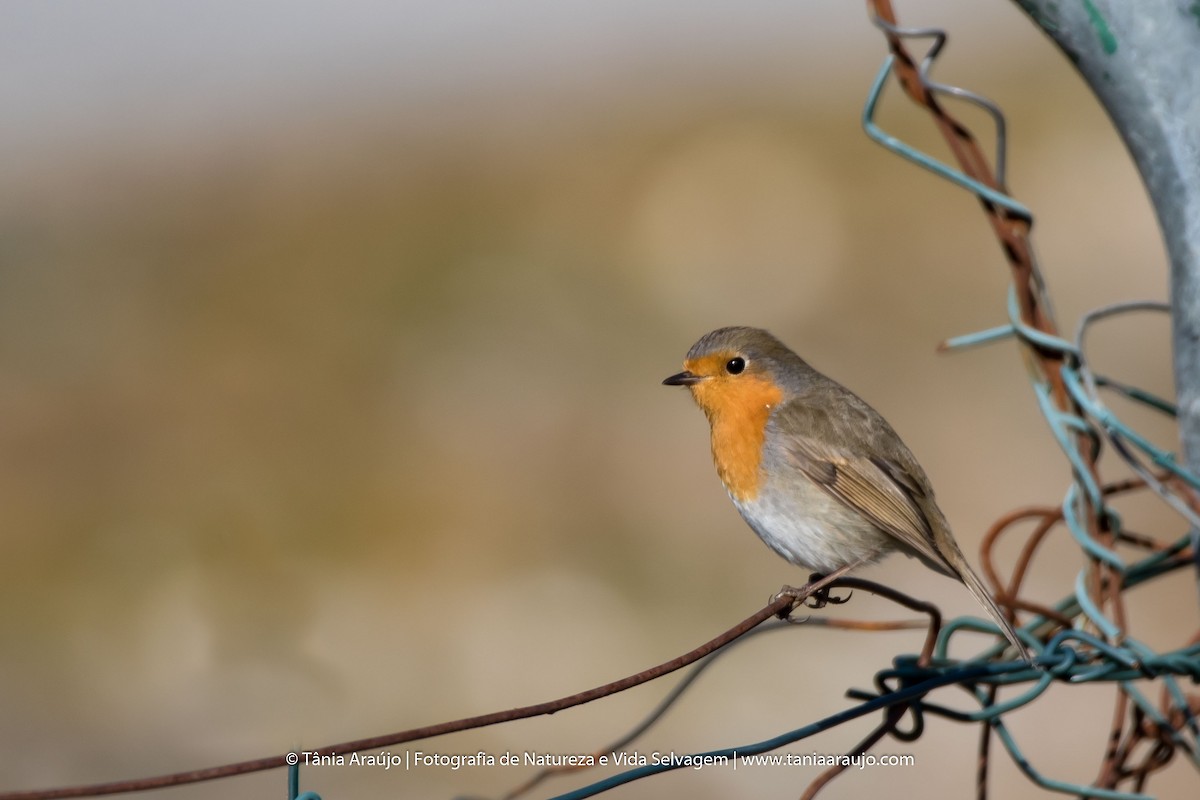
[735, 365]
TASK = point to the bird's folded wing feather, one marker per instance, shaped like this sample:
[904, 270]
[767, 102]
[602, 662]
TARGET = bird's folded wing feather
[876, 488]
[893, 496]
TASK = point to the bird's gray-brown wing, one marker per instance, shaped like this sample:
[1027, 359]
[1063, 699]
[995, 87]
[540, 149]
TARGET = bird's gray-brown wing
[855, 456]
[878, 488]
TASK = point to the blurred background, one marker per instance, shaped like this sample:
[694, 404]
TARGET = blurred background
[330, 346]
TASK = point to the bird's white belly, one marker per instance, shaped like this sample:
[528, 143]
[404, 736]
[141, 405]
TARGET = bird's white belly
[808, 527]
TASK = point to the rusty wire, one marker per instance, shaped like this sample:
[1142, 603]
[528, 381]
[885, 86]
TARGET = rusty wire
[1069, 393]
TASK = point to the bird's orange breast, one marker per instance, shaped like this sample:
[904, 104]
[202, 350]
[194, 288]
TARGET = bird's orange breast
[738, 409]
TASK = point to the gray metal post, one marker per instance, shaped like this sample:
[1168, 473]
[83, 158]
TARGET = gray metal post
[1142, 60]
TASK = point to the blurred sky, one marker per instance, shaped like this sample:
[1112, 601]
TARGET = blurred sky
[150, 69]
[330, 347]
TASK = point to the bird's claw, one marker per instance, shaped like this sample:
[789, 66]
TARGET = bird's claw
[810, 598]
[822, 597]
[795, 595]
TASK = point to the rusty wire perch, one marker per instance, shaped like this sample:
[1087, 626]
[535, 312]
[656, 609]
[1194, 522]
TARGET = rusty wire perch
[781, 607]
[785, 622]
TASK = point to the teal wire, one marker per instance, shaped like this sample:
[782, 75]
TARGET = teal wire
[1080, 533]
[1140, 395]
[1106, 626]
[960, 674]
[980, 337]
[1040, 338]
[921, 159]
[1050, 783]
[1129, 660]
[293, 785]
[1113, 424]
[1059, 424]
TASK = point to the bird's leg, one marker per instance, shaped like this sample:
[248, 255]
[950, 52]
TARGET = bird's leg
[817, 589]
[823, 597]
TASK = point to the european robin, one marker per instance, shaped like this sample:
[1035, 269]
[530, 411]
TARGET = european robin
[818, 474]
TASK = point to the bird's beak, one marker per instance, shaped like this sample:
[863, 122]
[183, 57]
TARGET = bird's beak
[684, 378]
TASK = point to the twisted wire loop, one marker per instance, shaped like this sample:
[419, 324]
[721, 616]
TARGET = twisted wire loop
[1069, 395]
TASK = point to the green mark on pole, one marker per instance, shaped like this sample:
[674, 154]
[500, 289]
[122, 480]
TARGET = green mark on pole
[1195, 10]
[1107, 40]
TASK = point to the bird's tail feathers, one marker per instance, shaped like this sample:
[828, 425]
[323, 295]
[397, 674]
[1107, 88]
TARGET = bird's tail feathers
[984, 597]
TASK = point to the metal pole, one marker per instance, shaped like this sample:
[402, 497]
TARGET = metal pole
[1142, 61]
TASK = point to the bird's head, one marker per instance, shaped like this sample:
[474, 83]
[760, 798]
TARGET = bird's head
[735, 371]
